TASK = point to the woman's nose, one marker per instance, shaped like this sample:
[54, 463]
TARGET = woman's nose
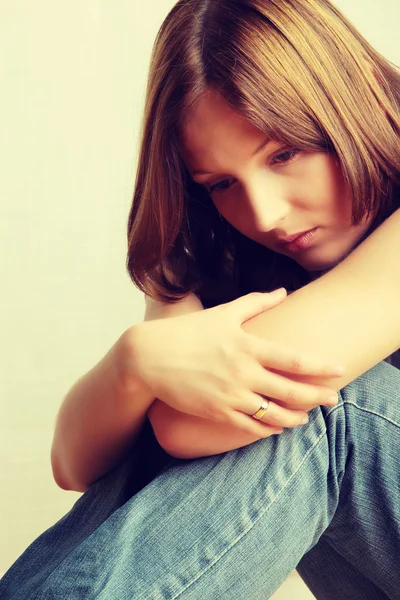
[268, 204]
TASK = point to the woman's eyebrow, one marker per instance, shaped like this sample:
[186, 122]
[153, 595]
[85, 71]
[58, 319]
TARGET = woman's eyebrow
[263, 145]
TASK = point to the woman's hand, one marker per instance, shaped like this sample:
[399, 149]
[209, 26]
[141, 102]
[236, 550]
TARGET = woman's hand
[205, 365]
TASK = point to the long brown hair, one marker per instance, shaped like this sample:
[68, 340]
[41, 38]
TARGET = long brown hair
[301, 73]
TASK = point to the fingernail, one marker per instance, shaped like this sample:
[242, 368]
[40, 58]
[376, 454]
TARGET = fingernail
[332, 400]
[304, 420]
[278, 432]
[279, 292]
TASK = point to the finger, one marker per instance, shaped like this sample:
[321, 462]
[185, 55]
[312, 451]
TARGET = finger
[293, 394]
[275, 415]
[249, 306]
[285, 359]
[253, 428]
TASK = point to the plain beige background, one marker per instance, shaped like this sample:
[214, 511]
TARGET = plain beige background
[72, 90]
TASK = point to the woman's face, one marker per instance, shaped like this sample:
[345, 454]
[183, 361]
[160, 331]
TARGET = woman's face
[268, 191]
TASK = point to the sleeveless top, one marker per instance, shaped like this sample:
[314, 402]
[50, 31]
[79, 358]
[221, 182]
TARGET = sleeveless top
[394, 359]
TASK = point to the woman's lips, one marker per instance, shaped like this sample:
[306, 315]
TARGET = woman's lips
[304, 241]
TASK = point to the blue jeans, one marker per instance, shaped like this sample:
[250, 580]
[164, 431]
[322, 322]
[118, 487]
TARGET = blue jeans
[323, 498]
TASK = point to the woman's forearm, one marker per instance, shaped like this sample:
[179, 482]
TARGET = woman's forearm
[350, 316]
[98, 421]
[102, 414]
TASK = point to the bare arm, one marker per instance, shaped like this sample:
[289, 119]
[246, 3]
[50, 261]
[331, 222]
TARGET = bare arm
[350, 316]
[98, 421]
[102, 414]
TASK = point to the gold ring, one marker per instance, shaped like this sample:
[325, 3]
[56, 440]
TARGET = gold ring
[262, 410]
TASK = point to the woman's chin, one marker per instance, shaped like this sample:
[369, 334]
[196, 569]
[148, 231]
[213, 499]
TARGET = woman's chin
[318, 263]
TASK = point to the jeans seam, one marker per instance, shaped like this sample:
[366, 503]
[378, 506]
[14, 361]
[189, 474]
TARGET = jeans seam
[372, 412]
[250, 527]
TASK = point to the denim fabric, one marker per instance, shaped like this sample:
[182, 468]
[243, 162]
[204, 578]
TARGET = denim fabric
[324, 497]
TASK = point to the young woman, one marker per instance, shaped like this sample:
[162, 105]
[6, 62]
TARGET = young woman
[270, 157]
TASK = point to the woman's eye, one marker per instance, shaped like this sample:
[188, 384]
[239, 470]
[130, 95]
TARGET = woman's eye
[221, 186]
[285, 157]
[279, 159]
